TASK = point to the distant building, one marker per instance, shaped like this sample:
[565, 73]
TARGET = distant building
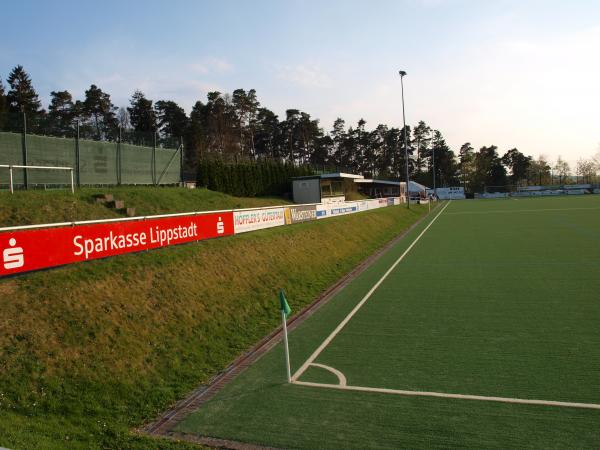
[335, 187]
[379, 188]
[324, 188]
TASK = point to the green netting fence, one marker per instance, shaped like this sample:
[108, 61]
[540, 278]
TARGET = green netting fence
[99, 163]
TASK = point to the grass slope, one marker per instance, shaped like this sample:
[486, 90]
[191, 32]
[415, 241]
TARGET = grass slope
[89, 351]
[31, 207]
[497, 298]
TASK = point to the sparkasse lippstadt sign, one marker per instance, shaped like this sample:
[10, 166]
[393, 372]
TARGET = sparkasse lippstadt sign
[48, 247]
[34, 247]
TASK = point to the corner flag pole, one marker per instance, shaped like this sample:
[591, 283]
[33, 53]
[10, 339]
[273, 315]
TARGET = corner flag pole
[285, 311]
[287, 349]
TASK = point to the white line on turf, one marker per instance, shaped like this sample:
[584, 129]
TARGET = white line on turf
[343, 323]
[337, 373]
[453, 396]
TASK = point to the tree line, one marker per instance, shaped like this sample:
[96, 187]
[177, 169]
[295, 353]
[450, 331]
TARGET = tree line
[237, 128]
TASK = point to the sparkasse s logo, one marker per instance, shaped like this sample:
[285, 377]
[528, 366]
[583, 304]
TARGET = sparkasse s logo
[13, 257]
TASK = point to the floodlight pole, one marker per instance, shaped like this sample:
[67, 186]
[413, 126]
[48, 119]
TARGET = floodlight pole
[402, 74]
[433, 160]
[287, 349]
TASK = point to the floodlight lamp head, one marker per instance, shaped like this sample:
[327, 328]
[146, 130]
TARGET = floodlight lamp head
[402, 73]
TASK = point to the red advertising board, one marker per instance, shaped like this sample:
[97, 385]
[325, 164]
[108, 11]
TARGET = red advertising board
[26, 250]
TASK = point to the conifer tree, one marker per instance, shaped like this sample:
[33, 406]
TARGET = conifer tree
[22, 97]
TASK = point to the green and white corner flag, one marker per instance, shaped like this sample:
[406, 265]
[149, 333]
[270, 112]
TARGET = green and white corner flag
[285, 311]
[284, 303]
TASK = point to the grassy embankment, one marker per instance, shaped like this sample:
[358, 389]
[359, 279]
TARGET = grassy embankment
[90, 351]
[29, 207]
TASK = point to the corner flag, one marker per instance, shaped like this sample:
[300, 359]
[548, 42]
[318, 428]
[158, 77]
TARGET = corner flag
[284, 304]
[285, 311]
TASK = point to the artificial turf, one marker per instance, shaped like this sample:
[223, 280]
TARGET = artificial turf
[498, 298]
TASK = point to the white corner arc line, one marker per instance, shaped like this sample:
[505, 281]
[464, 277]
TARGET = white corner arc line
[343, 323]
[337, 373]
[522, 401]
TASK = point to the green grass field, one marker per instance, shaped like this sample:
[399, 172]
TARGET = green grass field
[497, 298]
[90, 352]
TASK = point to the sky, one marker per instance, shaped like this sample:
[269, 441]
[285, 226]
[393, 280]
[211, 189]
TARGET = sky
[522, 74]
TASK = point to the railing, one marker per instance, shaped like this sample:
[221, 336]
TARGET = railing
[10, 168]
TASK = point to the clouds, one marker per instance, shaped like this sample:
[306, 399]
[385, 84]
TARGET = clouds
[509, 73]
[308, 75]
[211, 66]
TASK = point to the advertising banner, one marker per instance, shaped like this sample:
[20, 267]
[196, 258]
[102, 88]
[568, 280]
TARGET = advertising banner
[382, 202]
[373, 204]
[297, 214]
[348, 208]
[390, 201]
[258, 219]
[323, 211]
[26, 250]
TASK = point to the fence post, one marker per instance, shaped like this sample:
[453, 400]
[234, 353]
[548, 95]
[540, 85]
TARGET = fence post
[77, 157]
[119, 139]
[181, 159]
[10, 171]
[24, 146]
[153, 165]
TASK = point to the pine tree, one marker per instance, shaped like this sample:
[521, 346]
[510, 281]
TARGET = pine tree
[22, 97]
[171, 118]
[3, 107]
[141, 113]
[518, 164]
[466, 159]
[61, 113]
[99, 111]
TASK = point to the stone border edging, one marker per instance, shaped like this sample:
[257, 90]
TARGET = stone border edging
[163, 426]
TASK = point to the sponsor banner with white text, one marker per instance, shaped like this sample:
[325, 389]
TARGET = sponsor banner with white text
[323, 211]
[373, 204]
[258, 219]
[346, 208]
[26, 250]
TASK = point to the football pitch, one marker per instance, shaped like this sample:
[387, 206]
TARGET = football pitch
[481, 328]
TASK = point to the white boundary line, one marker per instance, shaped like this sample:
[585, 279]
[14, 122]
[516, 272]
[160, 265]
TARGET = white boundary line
[341, 378]
[452, 396]
[343, 323]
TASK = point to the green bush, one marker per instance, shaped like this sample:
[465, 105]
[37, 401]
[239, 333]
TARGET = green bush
[249, 179]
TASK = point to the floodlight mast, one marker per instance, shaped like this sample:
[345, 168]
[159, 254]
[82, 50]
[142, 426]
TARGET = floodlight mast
[402, 74]
[433, 160]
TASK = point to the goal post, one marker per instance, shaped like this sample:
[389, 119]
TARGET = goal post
[11, 167]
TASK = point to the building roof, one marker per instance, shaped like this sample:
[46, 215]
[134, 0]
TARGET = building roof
[371, 181]
[330, 175]
[414, 186]
[342, 175]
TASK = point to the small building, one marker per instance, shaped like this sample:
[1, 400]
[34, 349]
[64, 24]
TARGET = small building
[324, 188]
[379, 188]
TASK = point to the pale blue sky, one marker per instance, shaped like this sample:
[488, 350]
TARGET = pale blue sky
[510, 73]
